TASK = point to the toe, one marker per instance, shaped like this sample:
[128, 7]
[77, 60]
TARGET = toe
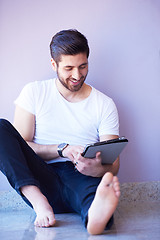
[116, 186]
[52, 221]
[46, 222]
[115, 179]
[107, 178]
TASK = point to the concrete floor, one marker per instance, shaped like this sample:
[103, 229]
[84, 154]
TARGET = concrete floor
[137, 217]
[138, 220]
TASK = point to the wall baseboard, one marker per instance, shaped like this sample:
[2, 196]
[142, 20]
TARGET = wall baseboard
[140, 191]
[130, 193]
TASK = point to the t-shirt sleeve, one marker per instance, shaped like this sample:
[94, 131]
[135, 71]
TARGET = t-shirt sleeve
[26, 98]
[109, 124]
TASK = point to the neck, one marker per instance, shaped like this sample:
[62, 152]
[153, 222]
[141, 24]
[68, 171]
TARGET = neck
[76, 96]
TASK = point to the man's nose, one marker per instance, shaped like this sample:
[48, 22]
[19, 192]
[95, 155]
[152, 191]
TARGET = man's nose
[76, 74]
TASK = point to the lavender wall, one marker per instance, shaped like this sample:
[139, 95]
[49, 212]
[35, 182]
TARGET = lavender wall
[124, 37]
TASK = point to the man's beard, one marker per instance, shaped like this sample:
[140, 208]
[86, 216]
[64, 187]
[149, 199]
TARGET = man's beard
[73, 88]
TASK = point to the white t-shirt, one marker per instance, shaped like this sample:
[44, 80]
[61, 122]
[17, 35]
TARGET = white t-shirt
[57, 120]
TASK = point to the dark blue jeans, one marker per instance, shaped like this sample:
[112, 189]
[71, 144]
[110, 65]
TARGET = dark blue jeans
[67, 190]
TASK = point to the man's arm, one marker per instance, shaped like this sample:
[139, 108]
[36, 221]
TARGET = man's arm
[114, 168]
[24, 122]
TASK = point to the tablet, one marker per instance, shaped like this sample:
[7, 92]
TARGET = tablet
[110, 149]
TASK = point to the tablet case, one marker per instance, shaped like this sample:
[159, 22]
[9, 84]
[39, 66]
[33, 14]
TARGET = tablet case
[110, 149]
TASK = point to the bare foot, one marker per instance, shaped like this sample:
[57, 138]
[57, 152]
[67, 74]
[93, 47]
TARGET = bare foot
[104, 204]
[45, 216]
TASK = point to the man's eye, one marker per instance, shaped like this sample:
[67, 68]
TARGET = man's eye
[68, 69]
[83, 66]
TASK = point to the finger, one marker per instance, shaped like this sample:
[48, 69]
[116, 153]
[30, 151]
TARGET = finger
[71, 157]
[77, 152]
[80, 158]
[81, 149]
[98, 155]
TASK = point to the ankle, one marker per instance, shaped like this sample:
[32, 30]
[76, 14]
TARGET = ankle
[33, 194]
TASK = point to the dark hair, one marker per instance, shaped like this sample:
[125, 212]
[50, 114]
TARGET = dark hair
[68, 42]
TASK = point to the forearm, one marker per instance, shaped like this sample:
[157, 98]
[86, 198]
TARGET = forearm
[47, 152]
[113, 168]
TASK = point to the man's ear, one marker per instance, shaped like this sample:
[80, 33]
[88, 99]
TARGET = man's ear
[54, 64]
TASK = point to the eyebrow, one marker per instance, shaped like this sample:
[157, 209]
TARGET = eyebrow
[83, 64]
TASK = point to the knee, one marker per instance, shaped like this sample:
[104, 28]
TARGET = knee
[6, 130]
[4, 123]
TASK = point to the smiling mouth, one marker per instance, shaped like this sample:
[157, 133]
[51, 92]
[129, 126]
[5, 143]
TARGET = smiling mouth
[75, 81]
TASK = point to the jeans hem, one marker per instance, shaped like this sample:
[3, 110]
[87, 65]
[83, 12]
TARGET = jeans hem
[108, 226]
[20, 184]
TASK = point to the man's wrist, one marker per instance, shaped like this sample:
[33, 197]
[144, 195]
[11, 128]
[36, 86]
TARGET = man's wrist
[60, 148]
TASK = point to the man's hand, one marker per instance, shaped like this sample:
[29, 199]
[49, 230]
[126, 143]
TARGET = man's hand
[72, 152]
[91, 166]
[87, 166]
